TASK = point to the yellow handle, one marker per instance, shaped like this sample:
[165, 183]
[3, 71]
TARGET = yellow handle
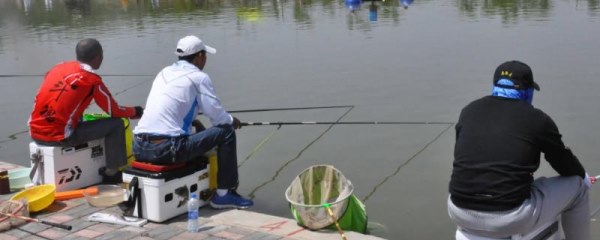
[337, 225]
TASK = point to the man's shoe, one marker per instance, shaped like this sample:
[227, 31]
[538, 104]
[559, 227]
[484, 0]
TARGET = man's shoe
[231, 200]
[111, 176]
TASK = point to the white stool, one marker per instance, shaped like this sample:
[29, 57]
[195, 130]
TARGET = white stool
[462, 235]
[68, 167]
[549, 231]
[159, 195]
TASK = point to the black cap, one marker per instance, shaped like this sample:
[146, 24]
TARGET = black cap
[517, 72]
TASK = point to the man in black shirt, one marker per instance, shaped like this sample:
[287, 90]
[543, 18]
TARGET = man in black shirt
[499, 139]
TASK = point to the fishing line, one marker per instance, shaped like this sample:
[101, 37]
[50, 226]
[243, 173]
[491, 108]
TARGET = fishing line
[290, 109]
[251, 195]
[405, 163]
[287, 109]
[13, 136]
[595, 212]
[130, 87]
[258, 147]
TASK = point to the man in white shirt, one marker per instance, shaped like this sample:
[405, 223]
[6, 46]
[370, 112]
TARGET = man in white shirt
[163, 134]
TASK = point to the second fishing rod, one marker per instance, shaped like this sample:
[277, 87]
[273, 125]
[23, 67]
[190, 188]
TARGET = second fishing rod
[344, 123]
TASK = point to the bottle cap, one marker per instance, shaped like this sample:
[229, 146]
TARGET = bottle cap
[193, 195]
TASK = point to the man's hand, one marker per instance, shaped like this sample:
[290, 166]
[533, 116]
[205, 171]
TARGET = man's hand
[198, 125]
[139, 111]
[588, 181]
[236, 123]
[594, 179]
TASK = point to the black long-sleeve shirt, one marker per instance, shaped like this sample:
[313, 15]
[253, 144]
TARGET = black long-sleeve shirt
[498, 146]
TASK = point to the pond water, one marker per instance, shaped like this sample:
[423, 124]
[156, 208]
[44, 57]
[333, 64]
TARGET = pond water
[373, 61]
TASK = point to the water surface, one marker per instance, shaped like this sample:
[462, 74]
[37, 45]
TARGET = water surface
[380, 60]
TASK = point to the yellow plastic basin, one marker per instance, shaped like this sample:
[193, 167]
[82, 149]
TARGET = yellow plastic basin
[39, 197]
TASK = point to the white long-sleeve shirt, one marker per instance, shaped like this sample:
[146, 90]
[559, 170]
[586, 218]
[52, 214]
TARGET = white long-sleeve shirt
[178, 93]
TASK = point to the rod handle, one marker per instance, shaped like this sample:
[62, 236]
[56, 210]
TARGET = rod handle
[58, 225]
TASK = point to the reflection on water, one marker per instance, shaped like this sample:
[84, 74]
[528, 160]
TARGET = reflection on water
[509, 11]
[89, 14]
[593, 6]
[302, 13]
[48, 4]
[79, 7]
[355, 6]
[69, 12]
[406, 3]
[82, 15]
[373, 12]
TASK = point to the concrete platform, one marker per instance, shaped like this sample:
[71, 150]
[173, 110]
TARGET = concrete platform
[214, 224]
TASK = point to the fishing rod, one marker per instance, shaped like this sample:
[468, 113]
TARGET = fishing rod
[287, 109]
[42, 75]
[594, 179]
[28, 219]
[330, 123]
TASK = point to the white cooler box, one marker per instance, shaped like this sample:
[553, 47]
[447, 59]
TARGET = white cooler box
[164, 195]
[68, 167]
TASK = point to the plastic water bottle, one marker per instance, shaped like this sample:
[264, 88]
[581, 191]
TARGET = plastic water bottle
[192, 206]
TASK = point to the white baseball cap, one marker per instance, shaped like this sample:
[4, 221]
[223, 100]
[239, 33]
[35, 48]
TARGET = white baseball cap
[192, 44]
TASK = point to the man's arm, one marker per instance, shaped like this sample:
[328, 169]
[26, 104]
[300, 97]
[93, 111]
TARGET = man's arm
[105, 100]
[210, 105]
[560, 157]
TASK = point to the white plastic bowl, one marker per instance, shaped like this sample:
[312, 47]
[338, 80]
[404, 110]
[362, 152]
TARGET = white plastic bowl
[105, 195]
[18, 178]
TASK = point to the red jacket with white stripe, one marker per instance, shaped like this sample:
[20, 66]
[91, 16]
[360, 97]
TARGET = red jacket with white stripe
[66, 92]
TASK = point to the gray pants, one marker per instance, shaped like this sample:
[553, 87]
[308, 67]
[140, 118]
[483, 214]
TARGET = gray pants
[550, 197]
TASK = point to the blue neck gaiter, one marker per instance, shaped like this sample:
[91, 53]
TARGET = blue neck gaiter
[521, 94]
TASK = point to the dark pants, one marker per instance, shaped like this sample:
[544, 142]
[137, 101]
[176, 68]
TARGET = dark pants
[113, 132]
[165, 150]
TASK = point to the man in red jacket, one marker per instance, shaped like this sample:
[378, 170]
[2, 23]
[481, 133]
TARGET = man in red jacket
[67, 90]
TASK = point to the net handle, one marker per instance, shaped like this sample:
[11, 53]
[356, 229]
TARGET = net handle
[337, 225]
